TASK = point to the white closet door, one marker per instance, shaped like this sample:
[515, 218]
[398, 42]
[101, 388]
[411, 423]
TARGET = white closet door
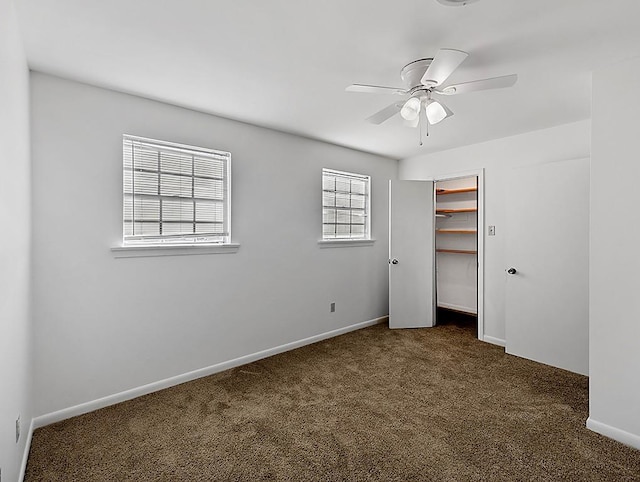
[411, 254]
[547, 239]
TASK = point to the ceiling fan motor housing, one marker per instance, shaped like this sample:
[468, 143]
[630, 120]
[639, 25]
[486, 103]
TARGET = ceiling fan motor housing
[411, 74]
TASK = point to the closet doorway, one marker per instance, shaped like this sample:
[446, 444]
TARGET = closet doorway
[459, 250]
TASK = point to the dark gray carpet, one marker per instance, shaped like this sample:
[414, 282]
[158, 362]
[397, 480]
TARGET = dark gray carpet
[432, 404]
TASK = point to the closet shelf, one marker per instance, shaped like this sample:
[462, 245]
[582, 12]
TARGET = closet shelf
[457, 231]
[444, 192]
[453, 211]
[456, 251]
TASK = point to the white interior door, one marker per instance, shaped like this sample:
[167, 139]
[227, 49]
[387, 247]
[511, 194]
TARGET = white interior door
[547, 244]
[411, 254]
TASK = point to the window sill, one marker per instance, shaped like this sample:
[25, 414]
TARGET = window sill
[344, 243]
[175, 250]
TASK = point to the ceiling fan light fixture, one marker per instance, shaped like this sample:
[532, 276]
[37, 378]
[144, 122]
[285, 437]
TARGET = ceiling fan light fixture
[436, 112]
[411, 109]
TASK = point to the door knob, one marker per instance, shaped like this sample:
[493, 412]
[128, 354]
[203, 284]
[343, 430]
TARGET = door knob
[394, 261]
[512, 271]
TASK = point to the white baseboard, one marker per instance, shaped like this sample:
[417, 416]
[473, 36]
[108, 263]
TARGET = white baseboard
[463, 309]
[494, 341]
[25, 455]
[87, 407]
[614, 433]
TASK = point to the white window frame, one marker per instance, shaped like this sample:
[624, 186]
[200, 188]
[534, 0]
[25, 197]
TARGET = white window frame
[366, 239]
[155, 245]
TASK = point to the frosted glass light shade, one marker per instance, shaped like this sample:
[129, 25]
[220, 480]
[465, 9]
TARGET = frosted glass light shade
[411, 109]
[436, 111]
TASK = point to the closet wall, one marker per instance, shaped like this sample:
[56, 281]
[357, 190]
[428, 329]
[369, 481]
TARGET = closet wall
[457, 244]
[497, 158]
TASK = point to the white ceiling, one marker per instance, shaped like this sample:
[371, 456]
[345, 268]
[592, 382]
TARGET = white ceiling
[284, 64]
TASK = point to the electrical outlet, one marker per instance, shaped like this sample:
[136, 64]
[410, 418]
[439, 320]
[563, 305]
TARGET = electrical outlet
[333, 307]
[17, 428]
[492, 230]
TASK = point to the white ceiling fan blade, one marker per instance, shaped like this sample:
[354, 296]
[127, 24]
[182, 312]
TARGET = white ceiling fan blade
[384, 114]
[494, 83]
[442, 66]
[374, 89]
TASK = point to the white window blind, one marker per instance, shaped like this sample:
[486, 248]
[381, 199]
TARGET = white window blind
[345, 205]
[174, 193]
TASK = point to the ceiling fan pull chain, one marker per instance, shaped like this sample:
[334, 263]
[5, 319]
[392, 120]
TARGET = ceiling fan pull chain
[423, 120]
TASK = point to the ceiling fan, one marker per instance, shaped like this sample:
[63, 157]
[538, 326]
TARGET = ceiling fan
[425, 77]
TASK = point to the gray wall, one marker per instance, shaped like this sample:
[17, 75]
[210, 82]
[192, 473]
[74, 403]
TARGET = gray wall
[106, 325]
[15, 193]
[614, 310]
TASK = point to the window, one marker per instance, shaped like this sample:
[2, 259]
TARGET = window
[174, 193]
[345, 205]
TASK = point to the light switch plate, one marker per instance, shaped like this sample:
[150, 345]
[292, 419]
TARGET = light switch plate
[492, 230]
